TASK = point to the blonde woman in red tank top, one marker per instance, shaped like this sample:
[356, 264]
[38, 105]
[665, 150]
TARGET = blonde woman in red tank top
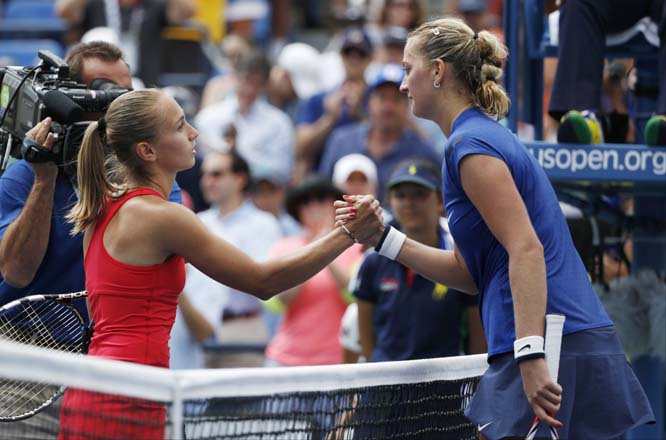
[136, 244]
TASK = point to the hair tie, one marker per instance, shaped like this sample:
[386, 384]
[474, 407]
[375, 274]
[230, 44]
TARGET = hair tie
[101, 128]
[491, 78]
[435, 31]
[475, 35]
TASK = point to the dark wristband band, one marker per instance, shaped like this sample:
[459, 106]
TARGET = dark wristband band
[539, 355]
[381, 240]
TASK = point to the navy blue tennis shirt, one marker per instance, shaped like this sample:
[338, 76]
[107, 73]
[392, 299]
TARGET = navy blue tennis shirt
[413, 317]
[569, 289]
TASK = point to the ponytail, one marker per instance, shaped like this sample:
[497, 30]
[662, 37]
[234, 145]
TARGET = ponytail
[476, 60]
[489, 95]
[107, 158]
[92, 179]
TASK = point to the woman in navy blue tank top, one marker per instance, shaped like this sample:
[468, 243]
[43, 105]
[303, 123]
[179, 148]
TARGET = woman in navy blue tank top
[513, 249]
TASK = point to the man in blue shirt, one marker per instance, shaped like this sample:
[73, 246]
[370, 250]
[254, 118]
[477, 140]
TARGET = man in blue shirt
[37, 253]
[402, 315]
[322, 113]
[386, 138]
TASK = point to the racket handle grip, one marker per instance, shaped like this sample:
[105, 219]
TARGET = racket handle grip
[553, 343]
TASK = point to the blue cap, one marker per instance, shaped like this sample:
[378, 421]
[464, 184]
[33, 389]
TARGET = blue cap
[419, 172]
[388, 74]
[356, 38]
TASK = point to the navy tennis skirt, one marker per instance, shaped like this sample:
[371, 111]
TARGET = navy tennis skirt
[601, 397]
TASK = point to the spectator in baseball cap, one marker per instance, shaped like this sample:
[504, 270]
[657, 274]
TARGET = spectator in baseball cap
[395, 36]
[386, 137]
[389, 51]
[356, 38]
[294, 78]
[391, 299]
[417, 172]
[355, 174]
[343, 105]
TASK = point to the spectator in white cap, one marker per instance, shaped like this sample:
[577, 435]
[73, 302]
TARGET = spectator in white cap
[350, 337]
[355, 174]
[294, 78]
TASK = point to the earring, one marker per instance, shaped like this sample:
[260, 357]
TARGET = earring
[436, 85]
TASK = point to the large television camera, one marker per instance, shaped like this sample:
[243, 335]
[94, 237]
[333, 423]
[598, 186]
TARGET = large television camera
[30, 94]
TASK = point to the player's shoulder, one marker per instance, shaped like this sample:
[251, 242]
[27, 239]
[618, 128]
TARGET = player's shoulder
[153, 210]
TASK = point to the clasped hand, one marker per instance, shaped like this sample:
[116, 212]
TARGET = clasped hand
[361, 216]
[543, 395]
[40, 133]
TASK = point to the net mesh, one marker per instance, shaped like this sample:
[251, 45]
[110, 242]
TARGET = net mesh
[116, 400]
[401, 411]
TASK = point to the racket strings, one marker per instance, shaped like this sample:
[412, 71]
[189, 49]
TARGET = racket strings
[42, 330]
[20, 397]
[63, 324]
[30, 326]
[49, 324]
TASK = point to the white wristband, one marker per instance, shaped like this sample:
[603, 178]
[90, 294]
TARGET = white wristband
[529, 347]
[392, 244]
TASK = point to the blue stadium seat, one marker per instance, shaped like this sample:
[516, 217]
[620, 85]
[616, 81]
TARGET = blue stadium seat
[33, 28]
[29, 9]
[24, 52]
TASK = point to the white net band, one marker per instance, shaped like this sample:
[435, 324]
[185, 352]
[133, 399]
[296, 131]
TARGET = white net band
[412, 399]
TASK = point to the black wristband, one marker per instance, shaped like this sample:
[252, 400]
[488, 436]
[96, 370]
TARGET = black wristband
[539, 355]
[381, 240]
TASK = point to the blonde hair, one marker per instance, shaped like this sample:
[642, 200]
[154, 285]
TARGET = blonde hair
[476, 59]
[107, 155]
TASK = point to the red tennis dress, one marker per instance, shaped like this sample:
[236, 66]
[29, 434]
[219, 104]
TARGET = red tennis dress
[133, 308]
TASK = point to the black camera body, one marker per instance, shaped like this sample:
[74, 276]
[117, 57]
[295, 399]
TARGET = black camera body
[30, 94]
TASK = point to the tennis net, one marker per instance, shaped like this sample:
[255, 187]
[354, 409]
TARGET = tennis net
[108, 399]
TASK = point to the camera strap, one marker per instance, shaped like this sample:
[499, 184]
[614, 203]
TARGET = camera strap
[75, 186]
[35, 153]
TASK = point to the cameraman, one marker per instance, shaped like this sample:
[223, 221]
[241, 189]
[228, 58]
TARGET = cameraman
[37, 253]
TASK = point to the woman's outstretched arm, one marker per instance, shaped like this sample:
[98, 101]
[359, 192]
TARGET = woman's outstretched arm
[180, 232]
[441, 266]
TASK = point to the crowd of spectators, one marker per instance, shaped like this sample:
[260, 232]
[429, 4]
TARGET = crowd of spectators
[300, 101]
[286, 118]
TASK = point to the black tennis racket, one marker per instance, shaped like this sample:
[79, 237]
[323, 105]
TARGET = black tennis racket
[49, 321]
